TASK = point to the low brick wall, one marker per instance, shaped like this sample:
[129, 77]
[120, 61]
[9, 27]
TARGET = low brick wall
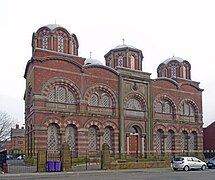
[140, 165]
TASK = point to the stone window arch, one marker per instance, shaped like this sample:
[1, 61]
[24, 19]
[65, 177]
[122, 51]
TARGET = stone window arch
[71, 137]
[52, 137]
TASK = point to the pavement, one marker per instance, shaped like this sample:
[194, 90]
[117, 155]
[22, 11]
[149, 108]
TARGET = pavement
[76, 172]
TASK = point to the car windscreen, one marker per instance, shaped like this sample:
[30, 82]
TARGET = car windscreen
[178, 159]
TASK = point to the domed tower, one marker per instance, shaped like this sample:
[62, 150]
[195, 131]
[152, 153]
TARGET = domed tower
[56, 38]
[174, 67]
[124, 56]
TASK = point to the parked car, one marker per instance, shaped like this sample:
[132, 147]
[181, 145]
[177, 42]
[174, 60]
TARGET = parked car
[211, 163]
[187, 163]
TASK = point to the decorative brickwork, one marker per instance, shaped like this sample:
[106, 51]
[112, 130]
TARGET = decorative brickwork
[73, 100]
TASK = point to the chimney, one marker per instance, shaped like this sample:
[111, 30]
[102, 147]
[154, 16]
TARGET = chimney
[17, 126]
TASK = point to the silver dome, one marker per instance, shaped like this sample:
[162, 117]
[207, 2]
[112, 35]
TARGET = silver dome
[92, 61]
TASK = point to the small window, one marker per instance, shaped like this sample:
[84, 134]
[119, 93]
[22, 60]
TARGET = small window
[45, 42]
[132, 62]
[173, 71]
[60, 43]
[184, 72]
[120, 61]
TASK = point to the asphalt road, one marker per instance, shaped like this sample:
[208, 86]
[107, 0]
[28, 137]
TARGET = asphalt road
[137, 174]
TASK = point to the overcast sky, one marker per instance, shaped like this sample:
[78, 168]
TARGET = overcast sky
[160, 28]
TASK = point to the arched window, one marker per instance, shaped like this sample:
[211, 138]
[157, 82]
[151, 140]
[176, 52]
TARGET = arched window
[158, 107]
[52, 137]
[187, 109]
[71, 133]
[132, 62]
[105, 101]
[133, 104]
[108, 137]
[193, 141]
[184, 140]
[184, 72]
[51, 95]
[160, 140]
[163, 107]
[173, 71]
[45, 41]
[70, 97]
[60, 43]
[94, 100]
[167, 107]
[163, 73]
[120, 61]
[93, 143]
[170, 140]
[61, 94]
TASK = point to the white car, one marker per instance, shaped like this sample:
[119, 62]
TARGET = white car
[187, 163]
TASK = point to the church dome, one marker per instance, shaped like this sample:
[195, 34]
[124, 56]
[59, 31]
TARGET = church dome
[92, 61]
[54, 37]
[124, 46]
[180, 60]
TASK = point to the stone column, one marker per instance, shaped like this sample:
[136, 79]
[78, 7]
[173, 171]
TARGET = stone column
[127, 140]
[143, 143]
[82, 142]
[41, 163]
[66, 157]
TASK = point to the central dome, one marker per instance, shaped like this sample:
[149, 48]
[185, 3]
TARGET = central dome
[124, 46]
[92, 61]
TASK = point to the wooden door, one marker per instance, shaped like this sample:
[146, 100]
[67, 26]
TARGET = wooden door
[133, 144]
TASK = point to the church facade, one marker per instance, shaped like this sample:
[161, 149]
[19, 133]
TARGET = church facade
[78, 100]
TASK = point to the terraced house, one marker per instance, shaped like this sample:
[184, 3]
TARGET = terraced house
[78, 100]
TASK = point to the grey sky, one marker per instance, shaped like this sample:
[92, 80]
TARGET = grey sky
[160, 29]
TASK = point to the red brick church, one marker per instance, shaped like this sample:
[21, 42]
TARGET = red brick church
[80, 101]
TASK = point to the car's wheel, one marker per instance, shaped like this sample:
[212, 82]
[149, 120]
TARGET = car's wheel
[203, 167]
[186, 168]
[209, 167]
[175, 169]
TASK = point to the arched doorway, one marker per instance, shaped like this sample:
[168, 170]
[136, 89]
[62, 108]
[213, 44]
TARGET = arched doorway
[134, 142]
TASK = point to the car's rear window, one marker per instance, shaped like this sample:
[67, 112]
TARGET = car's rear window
[178, 159]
